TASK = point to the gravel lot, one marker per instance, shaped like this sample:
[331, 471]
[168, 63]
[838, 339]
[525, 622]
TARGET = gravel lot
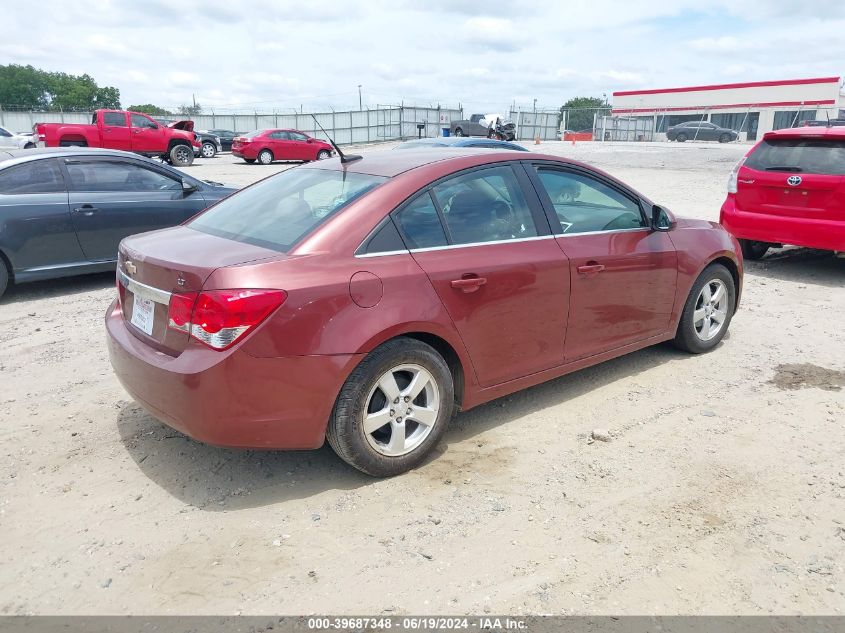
[722, 490]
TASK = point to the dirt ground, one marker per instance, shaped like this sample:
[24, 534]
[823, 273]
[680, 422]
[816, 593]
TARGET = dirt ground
[722, 490]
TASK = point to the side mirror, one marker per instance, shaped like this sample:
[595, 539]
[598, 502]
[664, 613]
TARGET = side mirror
[661, 219]
[310, 140]
[188, 187]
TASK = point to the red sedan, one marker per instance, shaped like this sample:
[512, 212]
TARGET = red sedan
[789, 189]
[265, 146]
[366, 302]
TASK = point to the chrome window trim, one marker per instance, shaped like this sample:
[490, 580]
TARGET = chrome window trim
[143, 290]
[404, 251]
[639, 228]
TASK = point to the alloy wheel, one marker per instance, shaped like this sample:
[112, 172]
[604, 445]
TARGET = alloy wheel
[711, 309]
[401, 410]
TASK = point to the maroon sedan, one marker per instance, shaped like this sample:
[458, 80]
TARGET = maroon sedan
[265, 146]
[366, 302]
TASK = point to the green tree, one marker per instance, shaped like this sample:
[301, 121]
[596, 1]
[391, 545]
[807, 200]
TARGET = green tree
[580, 112]
[23, 86]
[190, 110]
[149, 108]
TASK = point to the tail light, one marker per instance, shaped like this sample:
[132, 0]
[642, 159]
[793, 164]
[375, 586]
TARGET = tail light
[732, 179]
[218, 318]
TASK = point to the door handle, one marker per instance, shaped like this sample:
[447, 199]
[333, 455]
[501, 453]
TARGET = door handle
[86, 210]
[469, 284]
[590, 268]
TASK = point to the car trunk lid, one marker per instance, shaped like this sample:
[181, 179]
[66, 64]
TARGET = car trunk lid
[154, 266]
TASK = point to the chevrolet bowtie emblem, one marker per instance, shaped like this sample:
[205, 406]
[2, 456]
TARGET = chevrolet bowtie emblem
[130, 267]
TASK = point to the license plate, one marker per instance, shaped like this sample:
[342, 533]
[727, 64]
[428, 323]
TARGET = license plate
[143, 314]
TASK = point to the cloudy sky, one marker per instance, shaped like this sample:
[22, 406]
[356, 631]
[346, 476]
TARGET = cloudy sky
[484, 54]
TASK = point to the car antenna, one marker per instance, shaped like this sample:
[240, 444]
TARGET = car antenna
[343, 157]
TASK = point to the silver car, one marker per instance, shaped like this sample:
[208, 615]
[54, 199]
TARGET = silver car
[11, 140]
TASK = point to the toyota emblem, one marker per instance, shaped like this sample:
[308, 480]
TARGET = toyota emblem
[793, 181]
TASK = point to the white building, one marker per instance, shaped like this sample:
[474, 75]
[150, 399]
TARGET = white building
[751, 108]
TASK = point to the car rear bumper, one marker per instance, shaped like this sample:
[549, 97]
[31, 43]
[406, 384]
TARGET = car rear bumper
[244, 152]
[230, 398]
[779, 229]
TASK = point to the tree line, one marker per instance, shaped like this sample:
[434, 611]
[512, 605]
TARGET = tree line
[30, 88]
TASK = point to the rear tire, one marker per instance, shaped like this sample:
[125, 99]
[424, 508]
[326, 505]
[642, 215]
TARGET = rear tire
[409, 369]
[181, 155]
[707, 313]
[265, 157]
[249, 160]
[681, 138]
[4, 277]
[73, 144]
[753, 250]
[208, 150]
[459, 131]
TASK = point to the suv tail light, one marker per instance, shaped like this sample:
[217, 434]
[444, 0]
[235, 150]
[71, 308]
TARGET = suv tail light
[218, 318]
[732, 179]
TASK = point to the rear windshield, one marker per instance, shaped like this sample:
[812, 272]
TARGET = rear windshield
[253, 133]
[277, 212]
[812, 156]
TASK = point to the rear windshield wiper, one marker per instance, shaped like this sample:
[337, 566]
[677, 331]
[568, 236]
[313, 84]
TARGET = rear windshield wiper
[784, 168]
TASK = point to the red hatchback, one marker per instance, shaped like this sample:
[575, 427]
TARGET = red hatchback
[365, 302]
[789, 189]
[265, 146]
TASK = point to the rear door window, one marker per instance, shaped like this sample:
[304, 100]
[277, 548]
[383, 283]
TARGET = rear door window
[114, 119]
[420, 223]
[799, 155]
[35, 176]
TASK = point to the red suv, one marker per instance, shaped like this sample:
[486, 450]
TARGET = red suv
[365, 302]
[789, 189]
[265, 146]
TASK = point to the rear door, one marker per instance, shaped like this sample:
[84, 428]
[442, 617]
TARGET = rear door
[281, 145]
[623, 273]
[114, 131]
[36, 230]
[486, 248]
[111, 198]
[147, 135]
[794, 177]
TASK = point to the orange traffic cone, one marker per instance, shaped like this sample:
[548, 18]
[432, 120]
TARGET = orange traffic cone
[537, 140]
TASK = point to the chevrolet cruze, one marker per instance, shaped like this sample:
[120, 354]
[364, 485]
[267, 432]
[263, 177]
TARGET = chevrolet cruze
[365, 302]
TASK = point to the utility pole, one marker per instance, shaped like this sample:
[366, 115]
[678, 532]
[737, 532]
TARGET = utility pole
[360, 103]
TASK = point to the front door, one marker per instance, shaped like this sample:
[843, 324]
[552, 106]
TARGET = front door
[112, 198]
[147, 135]
[300, 147]
[500, 276]
[623, 273]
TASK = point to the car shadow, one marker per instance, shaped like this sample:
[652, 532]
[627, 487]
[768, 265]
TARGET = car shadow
[220, 479]
[60, 287]
[800, 265]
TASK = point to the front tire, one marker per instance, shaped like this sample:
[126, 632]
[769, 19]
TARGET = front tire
[725, 138]
[208, 150]
[707, 311]
[681, 138]
[393, 408]
[323, 154]
[459, 131]
[4, 277]
[181, 156]
[265, 157]
[753, 250]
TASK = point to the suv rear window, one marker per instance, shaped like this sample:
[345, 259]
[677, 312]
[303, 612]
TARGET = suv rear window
[811, 156]
[278, 212]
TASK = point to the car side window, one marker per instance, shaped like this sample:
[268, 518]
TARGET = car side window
[114, 176]
[296, 136]
[420, 223]
[586, 205]
[35, 176]
[278, 136]
[143, 122]
[486, 205]
[114, 119]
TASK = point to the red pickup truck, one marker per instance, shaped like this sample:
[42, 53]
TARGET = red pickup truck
[118, 129]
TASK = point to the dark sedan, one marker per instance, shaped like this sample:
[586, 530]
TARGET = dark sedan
[63, 211]
[226, 137]
[700, 131]
[460, 141]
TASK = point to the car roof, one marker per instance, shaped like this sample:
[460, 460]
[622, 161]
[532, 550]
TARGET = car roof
[14, 157]
[808, 131]
[459, 141]
[390, 164]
